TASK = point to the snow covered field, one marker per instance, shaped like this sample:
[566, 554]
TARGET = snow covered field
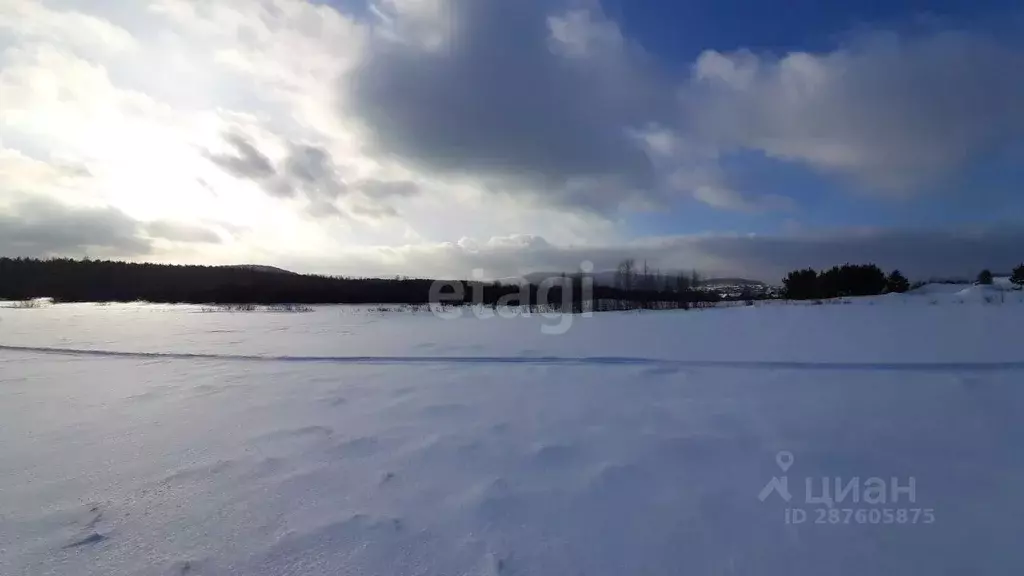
[163, 440]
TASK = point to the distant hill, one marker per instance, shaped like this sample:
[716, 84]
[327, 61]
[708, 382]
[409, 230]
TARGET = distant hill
[731, 282]
[68, 280]
[258, 268]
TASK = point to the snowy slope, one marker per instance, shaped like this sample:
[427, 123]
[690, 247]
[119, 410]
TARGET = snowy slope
[404, 444]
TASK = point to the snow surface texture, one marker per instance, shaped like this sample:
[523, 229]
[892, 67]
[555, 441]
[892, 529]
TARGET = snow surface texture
[163, 440]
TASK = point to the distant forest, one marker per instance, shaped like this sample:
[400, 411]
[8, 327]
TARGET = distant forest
[846, 280]
[864, 280]
[69, 280]
[634, 286]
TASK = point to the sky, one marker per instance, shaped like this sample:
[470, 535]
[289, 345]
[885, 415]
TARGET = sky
[491, 138]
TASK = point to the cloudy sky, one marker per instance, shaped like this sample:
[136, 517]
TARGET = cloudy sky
[435, 137]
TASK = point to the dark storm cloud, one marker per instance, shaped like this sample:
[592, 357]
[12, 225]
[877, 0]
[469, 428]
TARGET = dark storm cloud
[504, 98]
[541, 97]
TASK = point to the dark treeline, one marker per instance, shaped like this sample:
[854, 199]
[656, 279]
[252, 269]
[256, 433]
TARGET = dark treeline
[847, 280]
[69, 280]
[840, 281]
[866, 280]
[574, 294]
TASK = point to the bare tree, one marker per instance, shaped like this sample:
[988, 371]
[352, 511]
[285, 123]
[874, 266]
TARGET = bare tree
[683, 283]
[625, 274]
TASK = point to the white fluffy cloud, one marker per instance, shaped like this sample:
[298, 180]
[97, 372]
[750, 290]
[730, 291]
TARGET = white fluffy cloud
[896, 113]
[33, 21]
[383, 143]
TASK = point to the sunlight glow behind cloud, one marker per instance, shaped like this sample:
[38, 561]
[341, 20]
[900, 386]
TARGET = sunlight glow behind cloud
[397, 140]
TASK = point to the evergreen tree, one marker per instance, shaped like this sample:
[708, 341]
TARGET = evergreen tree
[985, 277]
[838, 281]
[801, 285]
[897, 282]
[1018, 276]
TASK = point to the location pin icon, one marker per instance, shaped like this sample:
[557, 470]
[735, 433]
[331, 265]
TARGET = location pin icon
[784, 459]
